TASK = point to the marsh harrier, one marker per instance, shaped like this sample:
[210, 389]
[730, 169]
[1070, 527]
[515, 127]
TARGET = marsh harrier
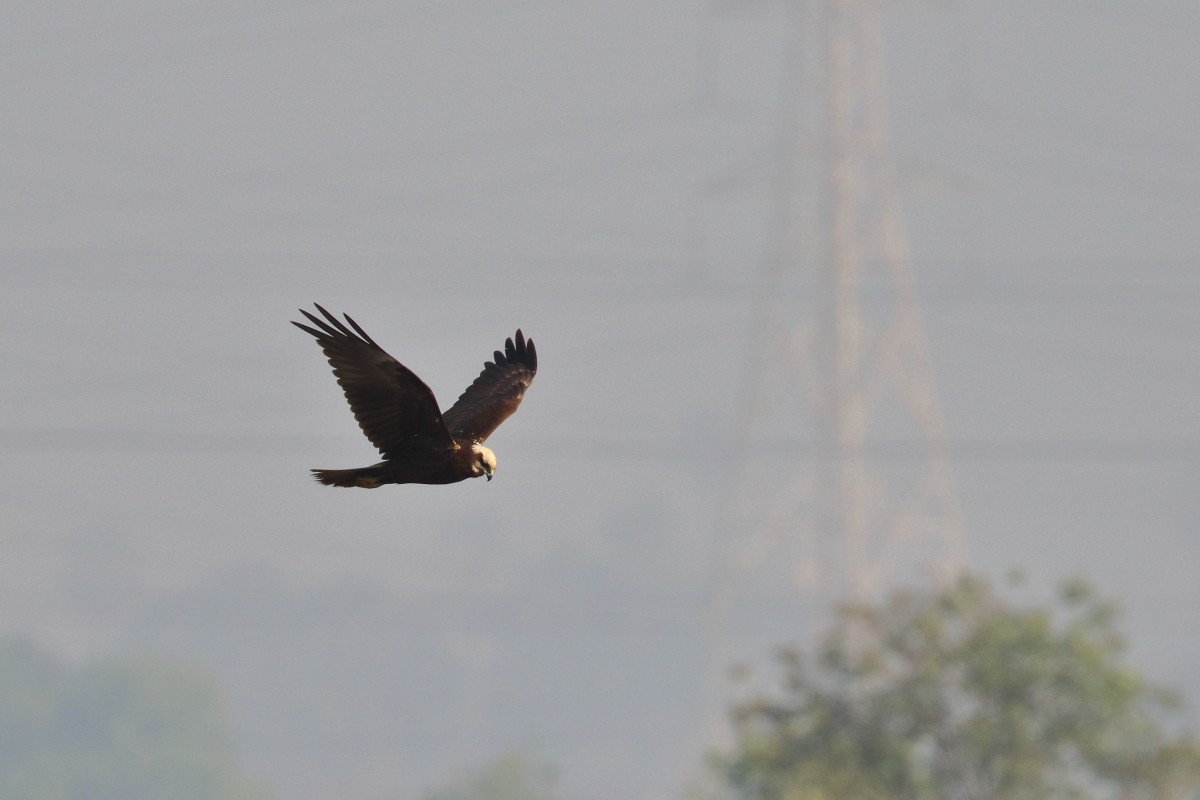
[401, 417]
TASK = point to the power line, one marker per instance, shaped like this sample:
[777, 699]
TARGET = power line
[146, 442]
[37, 269]
[1063, 450]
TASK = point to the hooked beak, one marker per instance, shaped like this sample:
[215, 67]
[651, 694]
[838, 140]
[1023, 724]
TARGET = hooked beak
[489, 475]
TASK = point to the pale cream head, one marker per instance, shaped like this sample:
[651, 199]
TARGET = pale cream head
[485, 461]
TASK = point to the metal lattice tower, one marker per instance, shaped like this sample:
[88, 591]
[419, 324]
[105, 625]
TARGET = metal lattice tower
[839, 360]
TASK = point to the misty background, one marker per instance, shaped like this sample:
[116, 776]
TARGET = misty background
[178, 177]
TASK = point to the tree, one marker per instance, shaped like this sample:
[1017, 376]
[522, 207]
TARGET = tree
[962, 694]
[112, 730]
[509, 777]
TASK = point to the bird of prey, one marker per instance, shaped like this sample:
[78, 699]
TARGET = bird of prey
[401, 417]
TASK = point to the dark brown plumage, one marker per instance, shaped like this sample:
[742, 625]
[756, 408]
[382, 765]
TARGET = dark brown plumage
[400, 415]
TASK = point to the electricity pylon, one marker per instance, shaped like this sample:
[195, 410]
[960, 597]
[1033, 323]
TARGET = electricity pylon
[842, 469]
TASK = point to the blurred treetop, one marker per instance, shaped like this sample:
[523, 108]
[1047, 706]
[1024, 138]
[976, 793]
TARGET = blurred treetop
[962, 695]
[112, 730]
[509, 777]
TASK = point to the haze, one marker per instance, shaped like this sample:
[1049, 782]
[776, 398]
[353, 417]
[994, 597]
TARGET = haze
[177, 178]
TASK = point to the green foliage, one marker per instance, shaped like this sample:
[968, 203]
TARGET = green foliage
[960, 694]
[111, 731]
[509, 777]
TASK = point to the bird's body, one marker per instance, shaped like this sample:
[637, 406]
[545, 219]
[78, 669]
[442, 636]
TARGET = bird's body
[401, 417]
[424, 462]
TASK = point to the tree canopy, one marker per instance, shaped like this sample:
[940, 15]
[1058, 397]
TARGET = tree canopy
[962, 694]
[509, 777]
[112, 730]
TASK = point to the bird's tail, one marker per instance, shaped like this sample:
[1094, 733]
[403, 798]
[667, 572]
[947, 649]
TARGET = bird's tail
[365, 477]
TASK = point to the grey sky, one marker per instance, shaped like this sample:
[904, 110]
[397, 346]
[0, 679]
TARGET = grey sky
[177, 177]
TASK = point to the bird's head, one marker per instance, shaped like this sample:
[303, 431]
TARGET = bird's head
[484, 462]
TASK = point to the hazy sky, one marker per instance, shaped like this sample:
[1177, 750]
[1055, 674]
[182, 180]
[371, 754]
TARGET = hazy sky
[178, 177]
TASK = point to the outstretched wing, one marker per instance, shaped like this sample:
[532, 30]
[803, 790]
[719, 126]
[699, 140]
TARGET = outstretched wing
[496, 393]
[392, 405]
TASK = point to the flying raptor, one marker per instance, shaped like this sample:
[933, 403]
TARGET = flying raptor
[401, 417]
